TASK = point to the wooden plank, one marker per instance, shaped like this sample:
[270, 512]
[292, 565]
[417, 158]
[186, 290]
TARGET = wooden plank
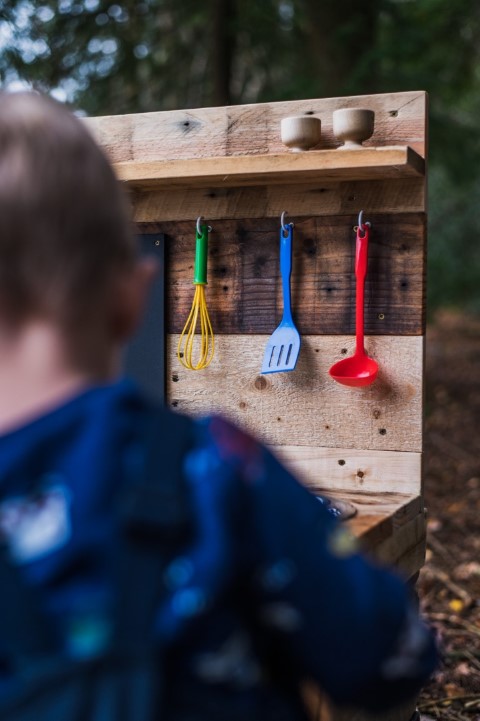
[306, 407]
[350, 468]
[381, 517]
[412, 560]
[268, 201]
[390, 527]
[285, 168]
[401, 541]
[400, 119]
[244, 294]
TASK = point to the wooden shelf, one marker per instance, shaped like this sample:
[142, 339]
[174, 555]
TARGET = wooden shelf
[390, 527]
[244, 170]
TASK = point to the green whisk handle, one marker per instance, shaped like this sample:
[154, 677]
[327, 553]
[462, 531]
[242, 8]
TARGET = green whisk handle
[201, 253]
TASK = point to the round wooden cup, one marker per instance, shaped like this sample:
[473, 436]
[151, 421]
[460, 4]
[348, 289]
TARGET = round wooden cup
[352, 126]
[301, 132]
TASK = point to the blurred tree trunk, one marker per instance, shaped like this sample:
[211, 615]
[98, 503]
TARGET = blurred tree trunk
[223, 49]
[340, 35]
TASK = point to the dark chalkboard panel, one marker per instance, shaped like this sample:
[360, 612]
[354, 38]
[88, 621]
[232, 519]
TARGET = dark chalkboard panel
[145, 356]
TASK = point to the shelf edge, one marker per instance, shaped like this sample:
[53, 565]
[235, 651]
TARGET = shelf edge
[363, 164]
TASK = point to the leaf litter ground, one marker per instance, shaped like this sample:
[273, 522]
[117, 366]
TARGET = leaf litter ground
[449, 583]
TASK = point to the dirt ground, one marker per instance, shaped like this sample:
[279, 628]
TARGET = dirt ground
[449, 584]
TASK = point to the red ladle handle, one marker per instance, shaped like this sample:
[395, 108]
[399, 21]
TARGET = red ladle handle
[361, 256]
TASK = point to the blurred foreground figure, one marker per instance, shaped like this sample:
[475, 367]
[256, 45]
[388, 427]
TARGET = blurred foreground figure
[151, 567]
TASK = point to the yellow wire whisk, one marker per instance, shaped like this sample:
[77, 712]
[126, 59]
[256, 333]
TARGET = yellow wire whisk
[199, 311]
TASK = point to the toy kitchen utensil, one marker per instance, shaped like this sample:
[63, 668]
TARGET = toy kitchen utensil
[359, 369]
[283, 345]
[198, 311]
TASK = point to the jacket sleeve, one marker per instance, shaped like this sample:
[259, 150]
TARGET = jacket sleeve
[341, 620]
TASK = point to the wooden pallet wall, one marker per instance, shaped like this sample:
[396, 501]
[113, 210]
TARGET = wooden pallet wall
[369, 439]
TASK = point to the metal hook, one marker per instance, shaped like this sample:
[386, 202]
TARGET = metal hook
[282, 222]
[361, 224]
[199, 230]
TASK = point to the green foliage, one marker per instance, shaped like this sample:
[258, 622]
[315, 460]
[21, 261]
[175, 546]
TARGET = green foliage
[454, 248]
[107, 57]
[121, 56]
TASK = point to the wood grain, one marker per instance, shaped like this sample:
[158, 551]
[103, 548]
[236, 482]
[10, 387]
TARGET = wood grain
[306, 407]
[381, 516]
[357, 470]
[390, 527]
[401, 544]
[412, 560]
[244, 293]
[400, 119]
[268, 201]
[285, 168]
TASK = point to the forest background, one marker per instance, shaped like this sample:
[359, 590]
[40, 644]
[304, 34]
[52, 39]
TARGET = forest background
[107, 57]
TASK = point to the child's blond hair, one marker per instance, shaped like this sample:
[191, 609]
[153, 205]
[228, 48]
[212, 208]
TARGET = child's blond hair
[64, 222]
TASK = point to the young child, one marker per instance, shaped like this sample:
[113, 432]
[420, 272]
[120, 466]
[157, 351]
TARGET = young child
[268, 591]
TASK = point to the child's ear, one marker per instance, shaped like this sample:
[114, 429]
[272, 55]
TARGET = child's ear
[130, 297]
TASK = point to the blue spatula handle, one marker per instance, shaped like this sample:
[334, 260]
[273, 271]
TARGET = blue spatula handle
[286, 233]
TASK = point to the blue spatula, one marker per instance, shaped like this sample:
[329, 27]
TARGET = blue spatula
[283, 345]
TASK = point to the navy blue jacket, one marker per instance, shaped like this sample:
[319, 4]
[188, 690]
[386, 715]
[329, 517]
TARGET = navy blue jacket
[269, 592]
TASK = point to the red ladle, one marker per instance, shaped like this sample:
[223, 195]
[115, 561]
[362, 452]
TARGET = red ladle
[359, 369]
